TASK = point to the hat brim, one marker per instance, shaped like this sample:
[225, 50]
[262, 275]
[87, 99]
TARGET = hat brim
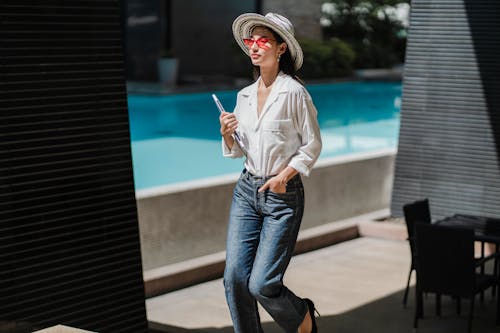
[245, 23]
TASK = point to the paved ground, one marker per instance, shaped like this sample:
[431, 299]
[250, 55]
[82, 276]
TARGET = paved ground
[357, 287]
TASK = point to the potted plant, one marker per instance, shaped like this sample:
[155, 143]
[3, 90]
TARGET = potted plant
[168, 68]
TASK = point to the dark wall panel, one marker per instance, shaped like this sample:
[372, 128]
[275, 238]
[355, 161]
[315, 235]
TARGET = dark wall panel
[198, 32]
[203, 40]
[144, 18]
[450, 116]
[69, 242]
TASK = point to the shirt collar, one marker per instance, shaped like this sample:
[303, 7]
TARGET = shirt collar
[280, 85]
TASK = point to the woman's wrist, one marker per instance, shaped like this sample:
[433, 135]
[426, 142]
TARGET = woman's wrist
[228, 139]
[282, 179]
[287, 174]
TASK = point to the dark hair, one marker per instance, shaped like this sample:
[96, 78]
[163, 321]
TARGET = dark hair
[286, 64]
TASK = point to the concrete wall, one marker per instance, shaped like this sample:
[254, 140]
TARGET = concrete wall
[304, 15]
[449, 141]
[186, 222]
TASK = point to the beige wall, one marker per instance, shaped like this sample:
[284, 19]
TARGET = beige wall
[189, 223]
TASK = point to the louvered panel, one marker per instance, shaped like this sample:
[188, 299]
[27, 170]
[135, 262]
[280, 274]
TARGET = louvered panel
[69, 242]
[450, 115]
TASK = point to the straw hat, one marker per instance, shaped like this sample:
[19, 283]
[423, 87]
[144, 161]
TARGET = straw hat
[244, 24]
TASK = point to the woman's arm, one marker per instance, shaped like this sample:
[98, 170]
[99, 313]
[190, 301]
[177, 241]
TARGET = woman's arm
[308, 127]
[277, 184]
[228, 124]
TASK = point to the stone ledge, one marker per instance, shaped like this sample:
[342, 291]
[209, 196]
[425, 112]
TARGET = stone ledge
[184, 274]
[386, 230]
[62, 329]
[190, 272]
[392, 74]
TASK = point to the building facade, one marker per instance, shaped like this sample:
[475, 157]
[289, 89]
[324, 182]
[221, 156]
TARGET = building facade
[198, 33]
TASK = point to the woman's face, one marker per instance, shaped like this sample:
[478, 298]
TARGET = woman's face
[263, 47]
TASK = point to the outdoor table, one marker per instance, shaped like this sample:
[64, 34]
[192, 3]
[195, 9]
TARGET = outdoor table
[486, 229]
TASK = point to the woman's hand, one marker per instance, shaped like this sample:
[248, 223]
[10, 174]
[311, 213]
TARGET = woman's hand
[275, 184]
[228, 123]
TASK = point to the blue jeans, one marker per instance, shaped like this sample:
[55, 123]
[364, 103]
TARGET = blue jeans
[262, 232]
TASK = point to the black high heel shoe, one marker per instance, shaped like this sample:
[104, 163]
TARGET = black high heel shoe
[312, 309]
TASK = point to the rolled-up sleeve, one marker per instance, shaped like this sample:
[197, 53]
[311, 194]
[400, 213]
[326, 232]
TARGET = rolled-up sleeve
[307, 123]
[234, 152]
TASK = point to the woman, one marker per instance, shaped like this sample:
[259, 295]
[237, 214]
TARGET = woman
[276, 123]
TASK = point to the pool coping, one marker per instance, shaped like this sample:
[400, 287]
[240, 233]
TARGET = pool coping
[137, 87]
[233, 177]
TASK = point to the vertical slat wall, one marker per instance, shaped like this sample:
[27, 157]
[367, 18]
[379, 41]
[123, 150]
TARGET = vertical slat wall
[450, 117]
[69, 242]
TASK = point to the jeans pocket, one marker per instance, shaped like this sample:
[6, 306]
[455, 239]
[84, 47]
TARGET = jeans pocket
[289, 197]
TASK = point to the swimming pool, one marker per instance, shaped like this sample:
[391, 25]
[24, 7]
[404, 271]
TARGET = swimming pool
[175, 138]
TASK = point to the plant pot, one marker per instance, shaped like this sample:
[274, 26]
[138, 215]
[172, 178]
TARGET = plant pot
[168, 69]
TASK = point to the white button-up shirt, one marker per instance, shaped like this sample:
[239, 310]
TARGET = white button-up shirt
[286, 134]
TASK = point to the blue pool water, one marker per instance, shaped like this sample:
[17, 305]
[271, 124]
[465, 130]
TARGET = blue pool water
[175, 138]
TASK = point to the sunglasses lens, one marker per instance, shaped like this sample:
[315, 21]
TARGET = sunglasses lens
[261, 42]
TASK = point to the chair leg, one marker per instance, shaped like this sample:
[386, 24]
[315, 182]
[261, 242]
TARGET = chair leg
[498, 301]
[421, 305]
[438, 305]
[459, 306]
[419, 311]
[481, 295]
[496, 270]
[405, 298]
[471, 313]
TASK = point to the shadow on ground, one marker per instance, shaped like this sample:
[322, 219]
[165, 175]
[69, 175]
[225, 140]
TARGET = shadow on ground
[387, 315]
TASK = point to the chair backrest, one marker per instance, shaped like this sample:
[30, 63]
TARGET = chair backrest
[445, 259]
[416, 212]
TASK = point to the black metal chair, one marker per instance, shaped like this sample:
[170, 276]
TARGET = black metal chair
[415, 212]
[445, 264]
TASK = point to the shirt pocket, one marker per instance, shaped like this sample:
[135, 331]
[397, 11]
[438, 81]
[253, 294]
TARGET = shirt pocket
[277, 129]
[276, 134]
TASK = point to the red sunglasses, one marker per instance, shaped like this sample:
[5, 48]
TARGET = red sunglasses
[261, 42]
